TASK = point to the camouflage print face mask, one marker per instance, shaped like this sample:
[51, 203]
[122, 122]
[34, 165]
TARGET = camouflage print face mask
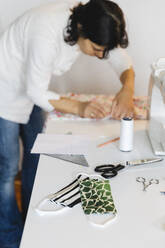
[96, 197]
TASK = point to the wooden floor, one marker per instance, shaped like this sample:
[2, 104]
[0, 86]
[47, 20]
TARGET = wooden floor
[18, 191]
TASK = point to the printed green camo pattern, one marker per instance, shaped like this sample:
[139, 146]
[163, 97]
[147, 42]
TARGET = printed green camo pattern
[96, 197]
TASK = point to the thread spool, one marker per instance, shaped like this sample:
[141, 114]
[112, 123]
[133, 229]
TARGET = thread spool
[126, 134]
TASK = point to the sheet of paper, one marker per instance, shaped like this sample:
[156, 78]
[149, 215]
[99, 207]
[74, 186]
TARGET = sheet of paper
[64, 144]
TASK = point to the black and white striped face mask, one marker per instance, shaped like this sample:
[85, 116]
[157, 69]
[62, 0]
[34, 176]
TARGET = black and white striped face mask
[92, 191]
[67, 197]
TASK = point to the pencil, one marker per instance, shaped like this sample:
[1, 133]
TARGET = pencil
[108, 142]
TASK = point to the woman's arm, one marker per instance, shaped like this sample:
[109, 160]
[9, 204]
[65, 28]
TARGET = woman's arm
[127, 79]
[83, 109]
[123, 102]
[123, 105]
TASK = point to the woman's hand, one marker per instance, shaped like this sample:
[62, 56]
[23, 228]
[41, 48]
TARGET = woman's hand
[122, 105]
[91, 110]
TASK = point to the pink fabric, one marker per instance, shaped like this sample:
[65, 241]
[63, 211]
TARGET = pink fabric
[141, 107]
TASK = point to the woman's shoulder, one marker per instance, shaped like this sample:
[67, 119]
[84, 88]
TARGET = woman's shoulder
[48, 13]
[46, 19]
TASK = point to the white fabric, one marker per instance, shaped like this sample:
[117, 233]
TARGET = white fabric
[31, 50]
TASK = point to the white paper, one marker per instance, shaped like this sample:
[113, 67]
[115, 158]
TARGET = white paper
[64, 144]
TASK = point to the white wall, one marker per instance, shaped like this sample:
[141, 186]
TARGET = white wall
[146, 20]
[145, 24]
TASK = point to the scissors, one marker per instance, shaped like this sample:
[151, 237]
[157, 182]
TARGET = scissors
[111, 170]
[144, 182]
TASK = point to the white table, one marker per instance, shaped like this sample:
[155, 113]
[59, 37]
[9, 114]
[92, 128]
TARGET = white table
[140, 222]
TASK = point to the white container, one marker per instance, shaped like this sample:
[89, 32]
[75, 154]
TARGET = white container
[126, 134]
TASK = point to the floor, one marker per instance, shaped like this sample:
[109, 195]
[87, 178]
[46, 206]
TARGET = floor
[18, 190]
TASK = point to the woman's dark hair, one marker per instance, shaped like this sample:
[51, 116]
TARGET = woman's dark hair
[101, 21]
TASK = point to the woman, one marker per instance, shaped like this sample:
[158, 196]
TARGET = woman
[45, 41]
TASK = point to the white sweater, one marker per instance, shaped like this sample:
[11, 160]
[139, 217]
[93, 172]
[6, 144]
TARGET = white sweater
[32, 49]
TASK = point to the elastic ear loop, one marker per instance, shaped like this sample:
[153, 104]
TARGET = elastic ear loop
[39, 210]
[88, 176]
[101, 220]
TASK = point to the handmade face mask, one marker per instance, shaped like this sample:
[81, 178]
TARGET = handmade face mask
[92, 191]
[67, 197]
[97, 201]
[96, 197]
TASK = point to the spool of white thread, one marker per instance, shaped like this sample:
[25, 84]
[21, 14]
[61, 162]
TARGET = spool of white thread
[126, 134]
